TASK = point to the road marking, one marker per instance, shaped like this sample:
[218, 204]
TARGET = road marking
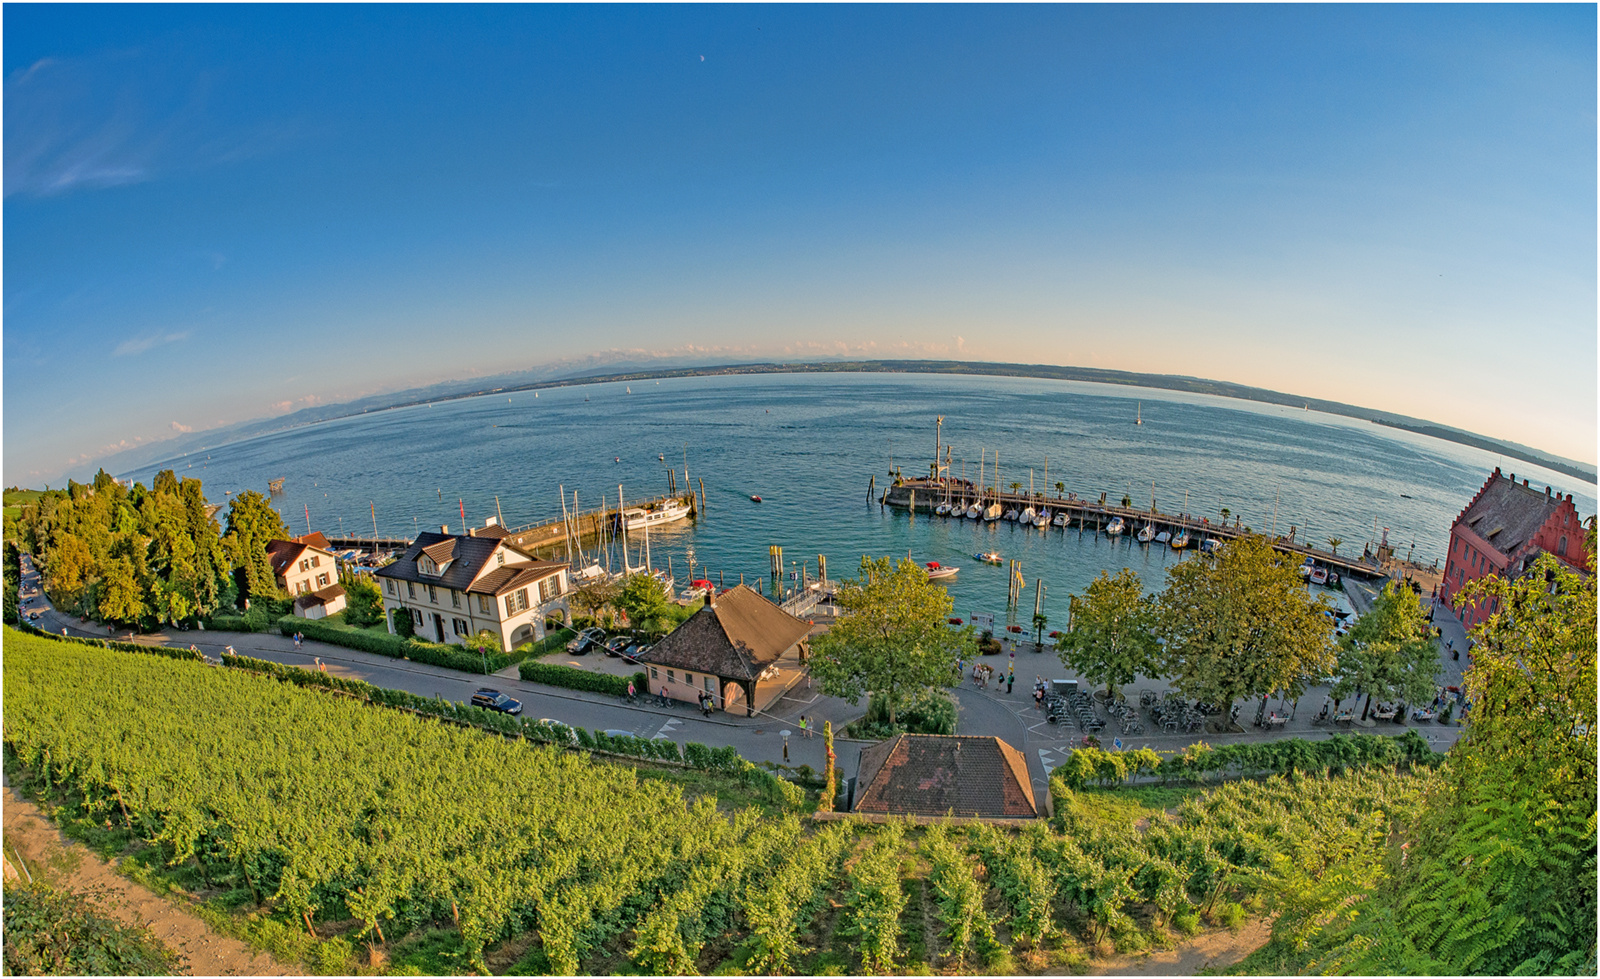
[666, 729]
[1045, 755]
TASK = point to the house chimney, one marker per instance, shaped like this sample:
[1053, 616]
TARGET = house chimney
[471, 532]
[708, 596]
[444, 528]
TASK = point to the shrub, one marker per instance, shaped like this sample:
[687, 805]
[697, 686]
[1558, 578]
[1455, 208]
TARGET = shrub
[573, 678]
[697, 755]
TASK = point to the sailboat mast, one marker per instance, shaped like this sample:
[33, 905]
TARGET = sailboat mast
[566, 526]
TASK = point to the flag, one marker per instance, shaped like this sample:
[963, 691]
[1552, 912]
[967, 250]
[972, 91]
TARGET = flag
[463, 514]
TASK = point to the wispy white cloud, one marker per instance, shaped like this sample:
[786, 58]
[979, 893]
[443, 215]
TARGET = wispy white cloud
[181, 428]
[119, 118]
[138, 345]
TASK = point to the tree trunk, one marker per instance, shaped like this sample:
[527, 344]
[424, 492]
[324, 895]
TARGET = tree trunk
[1366, 706]
[307, 915]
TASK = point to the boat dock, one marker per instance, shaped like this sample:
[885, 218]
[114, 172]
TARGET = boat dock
[590, 525]
[925, 495]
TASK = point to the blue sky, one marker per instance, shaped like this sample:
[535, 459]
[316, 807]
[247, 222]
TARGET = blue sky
[213, 214]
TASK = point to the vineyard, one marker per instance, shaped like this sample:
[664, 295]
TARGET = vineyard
[363, 826]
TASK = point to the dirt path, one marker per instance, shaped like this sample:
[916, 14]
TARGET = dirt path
[68, 865]
[1215, 950]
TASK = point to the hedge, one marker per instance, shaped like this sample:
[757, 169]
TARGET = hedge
[572, 678]
[169, 652]
[384, 644]
[1199, 762]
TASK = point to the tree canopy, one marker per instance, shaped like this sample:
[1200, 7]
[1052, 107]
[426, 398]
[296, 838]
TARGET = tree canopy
[252, 525]
[129, 556]
[893, 636]
[644, 598]
[1241, 624]
[1390, 652]
[1112, 638]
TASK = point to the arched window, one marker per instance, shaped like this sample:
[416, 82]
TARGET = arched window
[1561, 548]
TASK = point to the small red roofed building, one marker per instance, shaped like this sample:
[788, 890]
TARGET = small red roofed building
[305, 568]
[1505, 527]
[938, 775]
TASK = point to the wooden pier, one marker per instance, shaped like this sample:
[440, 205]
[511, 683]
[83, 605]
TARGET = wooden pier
[925, 495]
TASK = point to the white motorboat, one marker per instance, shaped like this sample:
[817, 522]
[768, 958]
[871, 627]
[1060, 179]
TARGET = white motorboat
[638, 518]
[1062, 519]
[1305, 569]
[1043, 519]
[1027, 516]
[1010, 515]
[1181, 541]
[1163, 537]
[1115, 527]
[1147, 533]
[1211, 546]
[1319, 576]
[939, 572]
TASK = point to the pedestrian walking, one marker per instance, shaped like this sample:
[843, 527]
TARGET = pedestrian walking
[1011, 679]
[630, 691]
[661, 695]
[297, 640]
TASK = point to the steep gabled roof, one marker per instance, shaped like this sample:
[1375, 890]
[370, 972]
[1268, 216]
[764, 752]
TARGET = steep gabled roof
[737, 636]
[1507, 514]
[469, 554]
[512, 576]
[315, 539]
[935, 775]
[283, 554]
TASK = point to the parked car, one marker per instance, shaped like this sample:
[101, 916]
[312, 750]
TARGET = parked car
[632, 655]
[617, 645]
[491, 699]
[558, 727]
[582, 642]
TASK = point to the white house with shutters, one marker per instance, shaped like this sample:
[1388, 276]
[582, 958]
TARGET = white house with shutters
[453, 586]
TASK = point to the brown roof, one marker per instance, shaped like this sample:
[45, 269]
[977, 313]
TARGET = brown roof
[283, 554]
[1508, 514]
[493, 531]
[442, 552]
[315, 539]
[933, 774]
[319, 597]
[737, 636]
[503, 579]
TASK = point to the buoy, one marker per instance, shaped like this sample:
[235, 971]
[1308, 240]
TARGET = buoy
[755, 499]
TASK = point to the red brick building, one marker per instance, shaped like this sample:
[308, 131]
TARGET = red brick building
[1505, 527]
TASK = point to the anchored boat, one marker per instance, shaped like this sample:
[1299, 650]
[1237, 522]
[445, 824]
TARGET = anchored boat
[638, 518]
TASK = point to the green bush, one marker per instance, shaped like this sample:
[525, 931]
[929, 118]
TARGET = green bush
[697, 755]
[61, 932]
[435, 654]
[572, 678]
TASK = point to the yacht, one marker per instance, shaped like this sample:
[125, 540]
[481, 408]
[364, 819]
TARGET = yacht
[1010, 515]
[1181, 541]
[1115, 527]
[638, 518]
[1043, 519]
[975, 512]
[1147, 533]
[942, 509]
[1063, 519]
[1163, 537]
[1027, 516]
[991, 513]
[939, 572]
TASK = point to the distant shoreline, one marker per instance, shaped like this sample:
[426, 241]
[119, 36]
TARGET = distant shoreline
[1168, 382]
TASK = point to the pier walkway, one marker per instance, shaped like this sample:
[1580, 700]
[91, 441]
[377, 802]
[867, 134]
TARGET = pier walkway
[925, 495]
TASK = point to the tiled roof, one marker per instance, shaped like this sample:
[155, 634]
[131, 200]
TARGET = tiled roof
[502, 580]
[737, 636]
[315, 539]
[283, 554]
[1507, 514]
[442, 552]
[470, 554]
[932, 775]
[319, 597]
[493, 531]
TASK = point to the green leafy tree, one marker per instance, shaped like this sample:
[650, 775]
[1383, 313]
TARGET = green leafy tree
[1499, 875]
[1112, 638]
[1390, 652]
[594, 598]
[363, 602]
[1333, 544]
[1061, 490]
[1242, 625]
[403, 624]
[892, 636]
[643, 598]
[252, 525]
[121, 598]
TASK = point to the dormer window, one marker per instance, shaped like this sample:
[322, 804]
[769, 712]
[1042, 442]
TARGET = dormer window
[425, 565]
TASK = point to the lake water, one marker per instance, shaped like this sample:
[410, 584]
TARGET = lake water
[808, 443]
